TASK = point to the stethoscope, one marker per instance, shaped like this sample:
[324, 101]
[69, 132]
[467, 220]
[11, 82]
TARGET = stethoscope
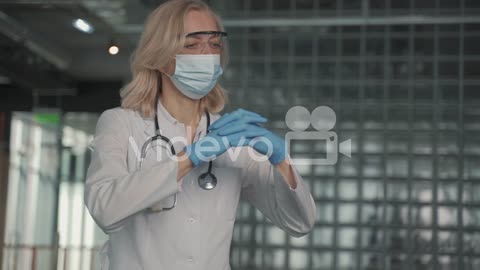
[206, 180]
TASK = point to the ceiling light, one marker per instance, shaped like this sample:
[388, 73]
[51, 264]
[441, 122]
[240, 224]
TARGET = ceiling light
[113, 49]
[83, 26]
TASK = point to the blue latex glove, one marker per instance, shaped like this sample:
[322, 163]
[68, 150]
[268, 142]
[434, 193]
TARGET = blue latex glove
[239, 116]
[214, 144]
[234, 123]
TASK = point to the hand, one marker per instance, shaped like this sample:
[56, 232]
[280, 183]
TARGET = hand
[236, 134]
[267, 144]
[239, 116]
[237, 123]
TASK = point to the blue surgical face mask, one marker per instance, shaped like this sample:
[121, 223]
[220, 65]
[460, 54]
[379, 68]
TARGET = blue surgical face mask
[196, 74]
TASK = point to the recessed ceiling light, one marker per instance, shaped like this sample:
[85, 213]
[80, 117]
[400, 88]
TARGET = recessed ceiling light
[83, 26]
[113, 50]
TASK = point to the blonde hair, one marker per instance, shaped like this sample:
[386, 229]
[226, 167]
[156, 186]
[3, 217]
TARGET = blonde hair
[161, 39]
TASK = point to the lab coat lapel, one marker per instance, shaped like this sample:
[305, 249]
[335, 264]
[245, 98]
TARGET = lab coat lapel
[149, 126]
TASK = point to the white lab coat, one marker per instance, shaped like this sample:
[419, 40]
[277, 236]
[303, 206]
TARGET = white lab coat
[197, 233]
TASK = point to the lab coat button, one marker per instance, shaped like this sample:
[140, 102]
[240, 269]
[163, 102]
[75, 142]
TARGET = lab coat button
[191, 220]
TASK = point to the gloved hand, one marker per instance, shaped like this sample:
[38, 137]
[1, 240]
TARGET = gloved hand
[267, 144]
[214, 144]
[239, 116]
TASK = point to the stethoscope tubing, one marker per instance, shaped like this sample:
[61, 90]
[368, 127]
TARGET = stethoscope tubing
[205, 184]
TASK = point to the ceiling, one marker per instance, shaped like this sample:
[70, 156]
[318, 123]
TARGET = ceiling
[80, 55]
[41, 50]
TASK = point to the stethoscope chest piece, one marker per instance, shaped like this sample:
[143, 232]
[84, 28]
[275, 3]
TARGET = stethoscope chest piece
[207, 181]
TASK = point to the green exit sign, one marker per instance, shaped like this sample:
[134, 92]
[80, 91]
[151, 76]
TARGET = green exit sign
[47, 118]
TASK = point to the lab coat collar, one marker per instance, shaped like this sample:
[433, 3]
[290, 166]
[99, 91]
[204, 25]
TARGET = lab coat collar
[166, 120]
[163, 113]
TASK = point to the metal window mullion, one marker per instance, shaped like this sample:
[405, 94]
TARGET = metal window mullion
[460, 141]
[251, 250]
[393, 19]
[247, 8]
[411, 83]
[307, 59]
[253, 229]
[316, 8]
[339, 8]
[410, 152]
[314, 75]
[360, 145]
[436, 120]
[352, 249]
[313, 87]
[293, 8]
[245, 85]
[337, 103]
[387, 77]
[253, 223]
[292, 97]
[269, 8]
[268, 60]
[268, 64]
[272, 110]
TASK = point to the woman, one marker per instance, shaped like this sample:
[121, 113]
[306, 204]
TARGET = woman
[160, 203]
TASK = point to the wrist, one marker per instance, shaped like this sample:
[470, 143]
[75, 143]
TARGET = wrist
[190, 152]
[277, 157]
[279, 151]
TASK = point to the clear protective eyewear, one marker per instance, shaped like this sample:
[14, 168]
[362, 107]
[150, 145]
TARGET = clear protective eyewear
[196, 41]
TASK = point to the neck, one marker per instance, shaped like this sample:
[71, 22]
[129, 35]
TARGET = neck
[186, 110]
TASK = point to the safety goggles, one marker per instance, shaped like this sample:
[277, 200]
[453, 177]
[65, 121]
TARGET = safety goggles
[195, 42]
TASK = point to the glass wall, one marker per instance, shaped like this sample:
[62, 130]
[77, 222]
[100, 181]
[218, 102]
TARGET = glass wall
[404, 87]
[47, 222]
[32, 185]
[402, 77]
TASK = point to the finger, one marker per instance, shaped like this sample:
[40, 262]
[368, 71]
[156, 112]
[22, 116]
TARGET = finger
[238, 114]
[250, 130]
[231, 128]
[255, 131]
[248, 135]
[238, 140]
[225, 119]
[244, 138]
[252, 119]
[240, 125]
[243, 112]
[237, 121]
